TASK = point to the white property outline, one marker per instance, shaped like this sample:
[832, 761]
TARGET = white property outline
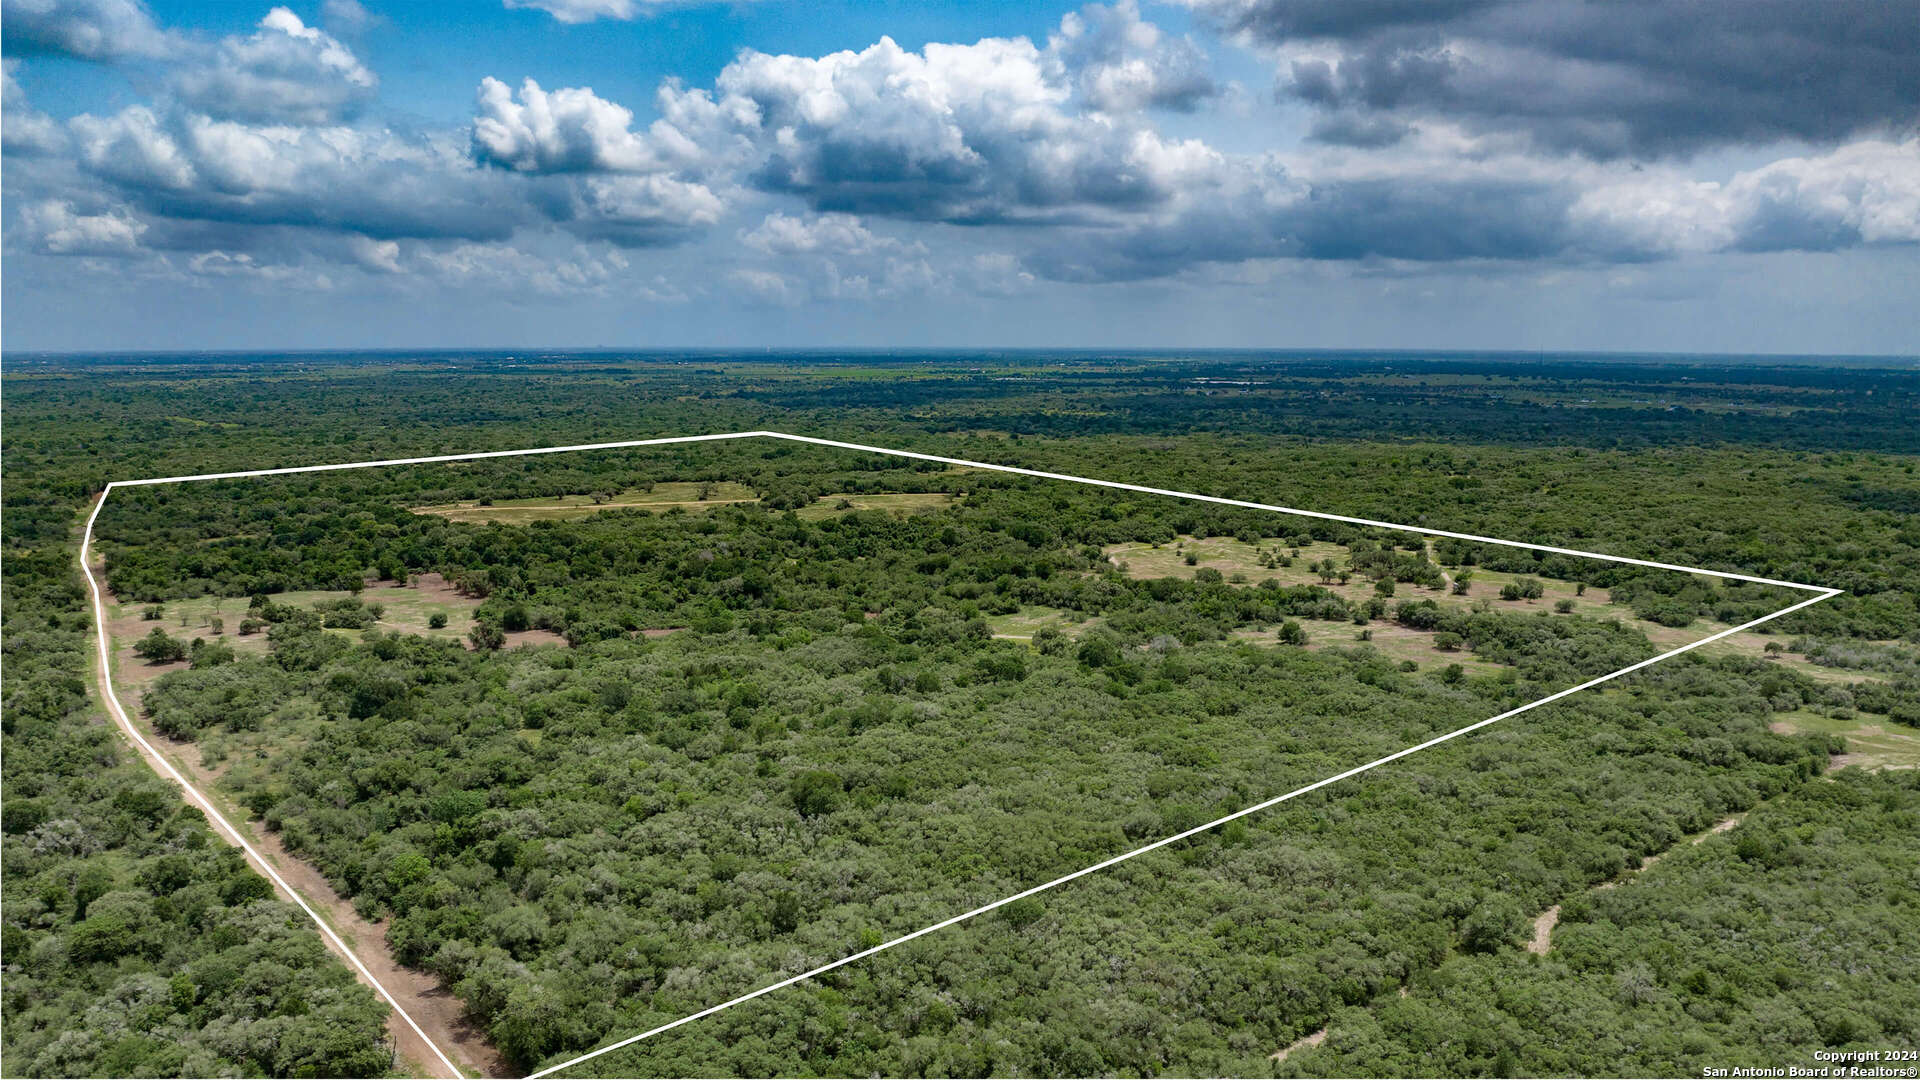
[119, 712]
[206, 804]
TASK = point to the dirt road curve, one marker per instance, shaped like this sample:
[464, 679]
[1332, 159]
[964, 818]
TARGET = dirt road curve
[428, 1029]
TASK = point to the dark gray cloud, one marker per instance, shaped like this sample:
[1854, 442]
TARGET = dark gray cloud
[1367, 132]
[1439, 221]
[1285, 20]
[1644, 78]
[368, 181]
[1405, 218]
[1866, 194]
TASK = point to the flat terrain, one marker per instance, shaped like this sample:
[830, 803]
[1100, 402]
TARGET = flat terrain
[893, 503]
[689, 496]
[1023, 624]
[692, 497]
[1754, 646]
[406, 609]
[1240, 563]
[439, 1013]
[782, 738]
[1871, 742]
[1389, 639]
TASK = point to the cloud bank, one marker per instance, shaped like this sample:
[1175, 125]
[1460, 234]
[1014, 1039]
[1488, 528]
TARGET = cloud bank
[1452, 133]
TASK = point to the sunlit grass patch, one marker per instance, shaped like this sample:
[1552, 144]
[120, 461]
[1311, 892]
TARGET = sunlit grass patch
[687, 495]
[1872, 742]
[911, 502]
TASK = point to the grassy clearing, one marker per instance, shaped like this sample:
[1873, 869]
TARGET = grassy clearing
[1872, 742]
[911, 502]
[1595, 604]
[1233, 558]
[407, 610]
[1394, 642]
[1240, 564]
[1023, 624]
[687, 495]
[1754, 646]
[1222, 553]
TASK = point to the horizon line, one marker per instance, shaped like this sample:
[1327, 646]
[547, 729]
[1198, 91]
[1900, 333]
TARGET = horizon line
[1127, 350]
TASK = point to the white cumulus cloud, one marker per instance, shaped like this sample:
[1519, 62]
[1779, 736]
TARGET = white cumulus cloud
[285, 72]
[565, 130]
[1861, 193]
[841, 234]
[53, 227]
[26, 130]
[104, 30]
[1121, 63]
[976, 133]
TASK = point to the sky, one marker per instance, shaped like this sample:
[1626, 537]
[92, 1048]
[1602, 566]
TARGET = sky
[1446, 174]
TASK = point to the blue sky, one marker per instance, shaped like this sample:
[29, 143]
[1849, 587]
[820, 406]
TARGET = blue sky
[1533, 174]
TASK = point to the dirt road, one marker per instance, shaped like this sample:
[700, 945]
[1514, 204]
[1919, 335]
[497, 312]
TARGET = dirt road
[428, 1029]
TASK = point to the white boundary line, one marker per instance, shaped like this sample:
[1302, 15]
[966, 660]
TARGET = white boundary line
[120, 714]
[206, 804]
[1163, 842]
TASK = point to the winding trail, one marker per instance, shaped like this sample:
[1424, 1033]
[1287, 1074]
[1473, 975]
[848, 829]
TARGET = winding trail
[1542, 941]
[367, 954]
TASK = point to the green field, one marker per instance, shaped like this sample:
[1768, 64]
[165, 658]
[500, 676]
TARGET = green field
[892, 503]
[1872, 743]
[405, 609]
[1023, 624]
[689, 496]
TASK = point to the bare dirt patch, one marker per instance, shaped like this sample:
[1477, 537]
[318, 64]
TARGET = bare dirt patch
[517, 638]
[126, 625]
[1542, 942]
[1225, 554]
[436, 587]
[1720, 827]
[1306, 1042]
